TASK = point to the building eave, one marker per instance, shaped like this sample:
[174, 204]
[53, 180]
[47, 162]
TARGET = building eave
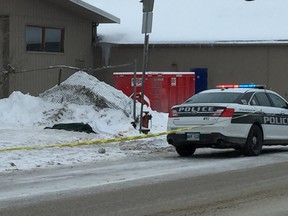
[85, 10]
[96, 13]
[205, 43]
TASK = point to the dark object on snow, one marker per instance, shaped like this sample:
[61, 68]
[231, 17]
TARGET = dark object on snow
[79, 127]
[101, 151]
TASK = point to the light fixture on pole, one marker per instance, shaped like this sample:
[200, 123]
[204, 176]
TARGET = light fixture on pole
[146, 29]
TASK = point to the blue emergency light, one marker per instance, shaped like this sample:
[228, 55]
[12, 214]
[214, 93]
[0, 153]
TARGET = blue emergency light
[247, 85]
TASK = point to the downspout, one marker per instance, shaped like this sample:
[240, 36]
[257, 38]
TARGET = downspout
[268, 67]
[105, 47]
[95, 42]
[106, 51]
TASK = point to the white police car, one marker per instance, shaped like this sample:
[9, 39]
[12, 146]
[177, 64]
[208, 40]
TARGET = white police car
[243, 117]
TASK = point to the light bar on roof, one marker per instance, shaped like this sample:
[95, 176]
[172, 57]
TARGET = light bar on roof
[251, 85]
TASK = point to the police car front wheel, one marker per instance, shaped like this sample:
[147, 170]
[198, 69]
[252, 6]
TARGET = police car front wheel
[254, 142]
[185, 150]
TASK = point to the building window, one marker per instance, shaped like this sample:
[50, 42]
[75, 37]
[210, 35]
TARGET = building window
[44, 39]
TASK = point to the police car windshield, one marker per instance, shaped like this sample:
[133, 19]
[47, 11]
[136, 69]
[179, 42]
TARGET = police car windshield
[215, 97]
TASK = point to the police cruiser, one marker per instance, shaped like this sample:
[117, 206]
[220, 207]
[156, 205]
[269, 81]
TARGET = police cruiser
[244, 117]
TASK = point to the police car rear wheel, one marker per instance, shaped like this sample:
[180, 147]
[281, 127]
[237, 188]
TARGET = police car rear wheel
[185, 151]
[254, 142]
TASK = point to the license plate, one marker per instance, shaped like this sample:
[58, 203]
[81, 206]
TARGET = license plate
[193, 136]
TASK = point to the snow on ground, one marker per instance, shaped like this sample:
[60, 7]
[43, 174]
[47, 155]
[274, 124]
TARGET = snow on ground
[80, 99]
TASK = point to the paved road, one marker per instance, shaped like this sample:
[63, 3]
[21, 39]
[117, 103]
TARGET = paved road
[249, 188]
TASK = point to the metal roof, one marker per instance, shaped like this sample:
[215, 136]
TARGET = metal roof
[198, 22]
[86, 10]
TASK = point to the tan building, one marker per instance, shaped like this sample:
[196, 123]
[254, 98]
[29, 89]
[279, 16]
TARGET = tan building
[261, 63]
[37, 35]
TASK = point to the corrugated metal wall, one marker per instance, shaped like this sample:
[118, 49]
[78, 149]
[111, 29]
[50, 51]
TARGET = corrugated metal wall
[261, 64]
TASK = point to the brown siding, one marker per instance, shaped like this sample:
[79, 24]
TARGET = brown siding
[34, 12]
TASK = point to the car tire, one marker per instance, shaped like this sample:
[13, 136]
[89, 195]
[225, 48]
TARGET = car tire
[185, 151]
[254, 142]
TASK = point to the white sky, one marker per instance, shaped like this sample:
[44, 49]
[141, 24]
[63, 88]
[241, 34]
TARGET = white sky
[194, 21]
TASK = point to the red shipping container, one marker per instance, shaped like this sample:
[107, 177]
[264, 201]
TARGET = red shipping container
[162, 90]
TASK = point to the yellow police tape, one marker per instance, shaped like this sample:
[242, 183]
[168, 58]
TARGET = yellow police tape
[104, 141]
[93, 142]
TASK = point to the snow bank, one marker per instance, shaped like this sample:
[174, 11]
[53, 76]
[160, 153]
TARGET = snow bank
[23, 118]
[80, 99]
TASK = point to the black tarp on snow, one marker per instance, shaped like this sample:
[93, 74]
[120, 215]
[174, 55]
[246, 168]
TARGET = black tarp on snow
[78, 127]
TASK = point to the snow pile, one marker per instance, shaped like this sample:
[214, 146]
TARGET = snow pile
[23, 118]
[84, 89]
[80, 99]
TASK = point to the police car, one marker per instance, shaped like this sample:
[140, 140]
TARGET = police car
[244, 117]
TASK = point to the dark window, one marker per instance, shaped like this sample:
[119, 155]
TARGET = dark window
[277, 101]
[245, 98]
[254, 101]
[215, 97]
[262, 99]
[44, 39]
[33, 38]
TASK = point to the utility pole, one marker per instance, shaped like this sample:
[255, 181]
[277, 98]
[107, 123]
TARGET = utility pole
[146, 29]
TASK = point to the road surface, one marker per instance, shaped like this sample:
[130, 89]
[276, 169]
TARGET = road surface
[220, 183]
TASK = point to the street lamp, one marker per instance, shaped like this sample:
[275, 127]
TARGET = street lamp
[146, 29]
